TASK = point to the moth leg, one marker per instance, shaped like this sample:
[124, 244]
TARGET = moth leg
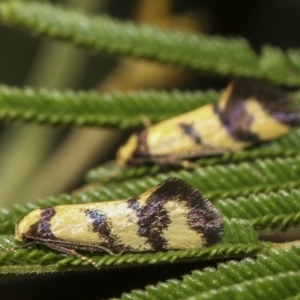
[71, 252]
[174, 161]
[183, 160]
[27, 244]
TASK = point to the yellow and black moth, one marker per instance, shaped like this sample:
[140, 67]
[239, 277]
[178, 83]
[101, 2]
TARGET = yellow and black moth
[248, 112]
[172, 215]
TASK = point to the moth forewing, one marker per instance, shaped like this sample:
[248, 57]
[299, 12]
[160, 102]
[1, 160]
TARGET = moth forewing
[248, 112]
[172, 215]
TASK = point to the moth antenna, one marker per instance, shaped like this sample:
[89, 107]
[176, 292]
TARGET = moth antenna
[107, 250]
[72, 252]
[84, 258]
[146, 121]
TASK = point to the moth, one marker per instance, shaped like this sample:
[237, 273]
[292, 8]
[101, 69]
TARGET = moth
[248, 112]
[172, 215]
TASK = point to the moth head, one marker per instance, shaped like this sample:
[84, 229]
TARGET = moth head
[24, 226]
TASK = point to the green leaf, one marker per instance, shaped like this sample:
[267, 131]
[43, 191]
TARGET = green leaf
[104, 34]
[280, 66]
[268, 277]
[239, 240]
[265, 211]
[92, 108]
[217, 182]
[221, 181]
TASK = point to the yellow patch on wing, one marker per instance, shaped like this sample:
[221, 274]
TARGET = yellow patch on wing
[264, 125]
[167, 138]
[72, 224]
[178, 234]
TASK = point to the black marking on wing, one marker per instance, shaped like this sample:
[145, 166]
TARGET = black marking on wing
[42, 228]
[277, 102]
[237, 121]
[153, 219]
[141, 153]
[202, 216]
[142, 149]
[101, 226]
[190, 131]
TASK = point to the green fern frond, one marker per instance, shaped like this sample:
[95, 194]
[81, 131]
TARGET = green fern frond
[239, 240]
[117, 173]
[225, 56]
[296, 297]
[217, 182]
[280, 66]
[265, 211]
[222, 181]
[231, 276]
[271, 287]
[91, 108]
[104, 34]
